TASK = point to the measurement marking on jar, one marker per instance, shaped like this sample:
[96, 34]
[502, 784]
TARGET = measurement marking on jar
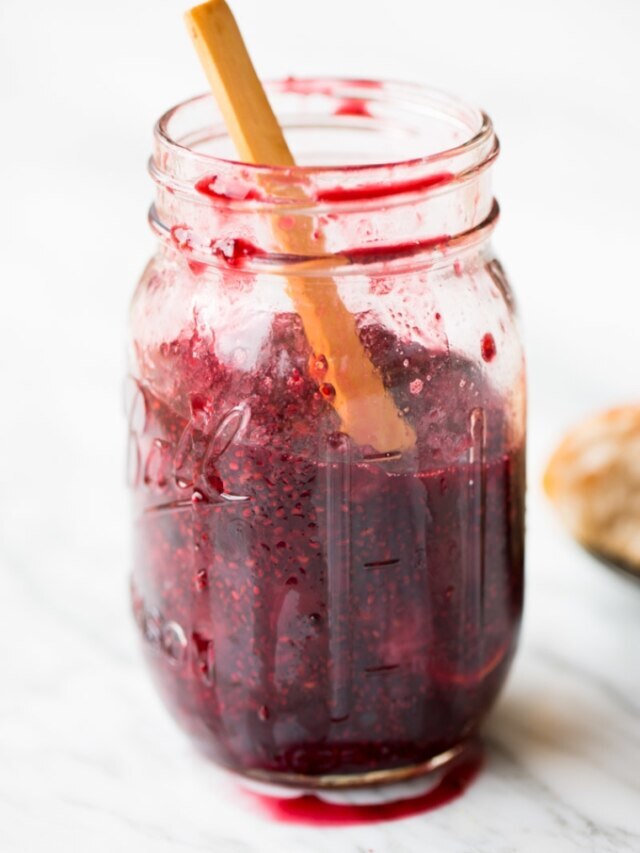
[381, 564]
[187, 503]
[391, 456]
[383, 667]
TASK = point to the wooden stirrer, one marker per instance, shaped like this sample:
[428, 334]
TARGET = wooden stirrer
[366, 410]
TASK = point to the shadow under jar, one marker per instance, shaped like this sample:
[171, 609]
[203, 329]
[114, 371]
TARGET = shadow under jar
[314, 611]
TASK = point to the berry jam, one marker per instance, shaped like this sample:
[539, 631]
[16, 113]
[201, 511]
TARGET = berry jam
[308, 606]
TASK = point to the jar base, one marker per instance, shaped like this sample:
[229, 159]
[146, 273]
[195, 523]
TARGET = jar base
[360, 780]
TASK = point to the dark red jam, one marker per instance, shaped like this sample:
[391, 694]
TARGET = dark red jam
[354, 107]
[378, 191]
[488, 347]
[309, 606]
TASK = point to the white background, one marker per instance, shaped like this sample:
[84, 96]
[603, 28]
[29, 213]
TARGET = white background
[87, 760]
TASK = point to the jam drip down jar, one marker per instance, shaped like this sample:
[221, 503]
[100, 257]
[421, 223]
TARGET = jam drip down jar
[315, 610]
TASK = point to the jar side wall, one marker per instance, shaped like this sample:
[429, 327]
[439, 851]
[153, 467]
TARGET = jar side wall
[305, 607]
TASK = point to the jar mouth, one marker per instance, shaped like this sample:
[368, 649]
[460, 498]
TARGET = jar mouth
[396, 138]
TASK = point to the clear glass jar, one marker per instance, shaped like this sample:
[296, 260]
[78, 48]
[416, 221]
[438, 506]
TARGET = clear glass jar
[315, 609]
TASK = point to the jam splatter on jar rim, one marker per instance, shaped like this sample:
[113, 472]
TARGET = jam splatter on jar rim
[472, 148]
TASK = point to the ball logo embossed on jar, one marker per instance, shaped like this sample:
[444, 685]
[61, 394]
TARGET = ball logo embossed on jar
[137, 413]
[135, 404]
[152, 626]
[229, 429]
[173, 642]
[198, 453]
[203, 658]
[134, 460]
[157, 469]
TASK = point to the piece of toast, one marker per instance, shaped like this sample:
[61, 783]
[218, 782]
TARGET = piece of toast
[593, 480]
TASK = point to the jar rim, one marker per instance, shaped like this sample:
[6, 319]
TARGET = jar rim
[398, 111]
[369, 90]
[444, 193]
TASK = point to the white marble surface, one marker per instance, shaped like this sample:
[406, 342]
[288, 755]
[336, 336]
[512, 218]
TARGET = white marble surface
[88, 760]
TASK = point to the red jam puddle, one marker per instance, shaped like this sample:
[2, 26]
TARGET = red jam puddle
[313, 809]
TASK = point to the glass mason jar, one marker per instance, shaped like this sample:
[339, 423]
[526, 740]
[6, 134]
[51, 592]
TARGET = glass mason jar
[316, 609]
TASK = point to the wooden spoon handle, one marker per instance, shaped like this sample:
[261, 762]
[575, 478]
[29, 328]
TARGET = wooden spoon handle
[367, 411]
[243, 102]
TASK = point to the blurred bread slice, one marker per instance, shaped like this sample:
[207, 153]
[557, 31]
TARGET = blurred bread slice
[593, 479]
